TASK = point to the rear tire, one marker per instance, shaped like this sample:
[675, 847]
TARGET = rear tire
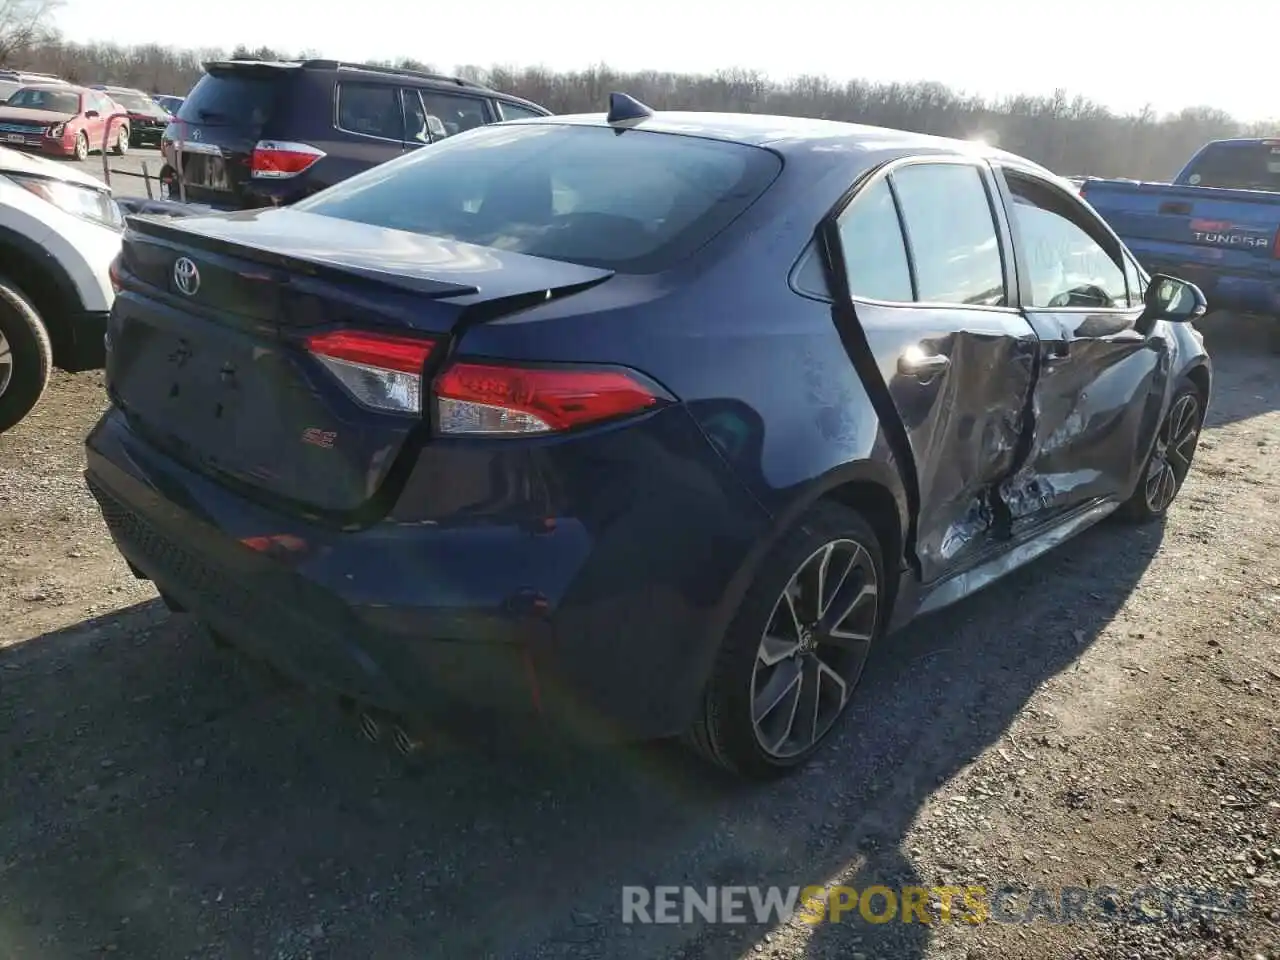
[792, 657]
[122, 143]
[1170, 461]
[26, 357]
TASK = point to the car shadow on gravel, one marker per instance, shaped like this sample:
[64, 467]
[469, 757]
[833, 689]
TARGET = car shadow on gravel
[162, 798]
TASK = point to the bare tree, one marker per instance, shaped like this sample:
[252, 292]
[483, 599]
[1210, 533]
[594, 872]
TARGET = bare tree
[1065, 132]
[25, 24]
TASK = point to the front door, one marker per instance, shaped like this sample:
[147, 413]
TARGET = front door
[928, 280]
[1101, 379]
[96, 126]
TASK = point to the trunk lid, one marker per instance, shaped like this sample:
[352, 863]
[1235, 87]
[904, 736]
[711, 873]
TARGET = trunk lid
[221, 378]
[211, 139]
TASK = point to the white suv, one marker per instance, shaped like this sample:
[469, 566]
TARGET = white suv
[59, 231]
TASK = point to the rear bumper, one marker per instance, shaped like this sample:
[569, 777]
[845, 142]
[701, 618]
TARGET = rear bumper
[601, 622]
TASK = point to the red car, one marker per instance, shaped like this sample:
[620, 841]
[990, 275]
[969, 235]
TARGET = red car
[64, 120]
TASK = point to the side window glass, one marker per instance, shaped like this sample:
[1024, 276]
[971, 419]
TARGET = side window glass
[954, 244]
[511, 111]
[875, 257]
[371, 110]
[455, 114]
[1068, 266]
[415, 118]
[1134, 281]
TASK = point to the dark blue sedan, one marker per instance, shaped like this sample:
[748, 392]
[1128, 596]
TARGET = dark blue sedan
[643, 424]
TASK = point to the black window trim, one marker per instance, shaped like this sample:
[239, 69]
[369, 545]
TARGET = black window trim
[337, 109]
[1097, 229]
[999, 223]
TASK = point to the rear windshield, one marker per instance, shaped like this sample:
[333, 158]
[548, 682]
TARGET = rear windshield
[55, 101]
[235, 99]
[134, 101]
[1237, 166]
[636, 202]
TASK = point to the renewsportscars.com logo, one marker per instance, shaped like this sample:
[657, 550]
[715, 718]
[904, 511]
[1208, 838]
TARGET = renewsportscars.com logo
[945, 904]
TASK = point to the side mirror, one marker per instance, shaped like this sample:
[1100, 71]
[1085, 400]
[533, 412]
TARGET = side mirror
[90, 114]
[1168, 298]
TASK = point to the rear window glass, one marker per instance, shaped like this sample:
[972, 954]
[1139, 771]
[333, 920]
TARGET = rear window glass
[636, 203]
[55, 101]
[1237, 166]
[133, 101]
[236, 99]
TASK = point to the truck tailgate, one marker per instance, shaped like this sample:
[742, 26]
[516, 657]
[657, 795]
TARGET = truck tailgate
[1235, 227]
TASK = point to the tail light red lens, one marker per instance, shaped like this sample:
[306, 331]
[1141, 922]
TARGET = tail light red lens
[1275, 246]
[489, 399]
[382, 371]
[278, 160]
[113, 274]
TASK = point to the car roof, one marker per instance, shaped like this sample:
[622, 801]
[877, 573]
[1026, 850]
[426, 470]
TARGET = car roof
[55, 87]
[803, 135]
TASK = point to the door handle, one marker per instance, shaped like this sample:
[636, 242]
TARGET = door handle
[914, 362]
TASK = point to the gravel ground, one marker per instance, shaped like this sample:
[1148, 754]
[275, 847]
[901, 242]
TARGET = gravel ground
[1104, 717]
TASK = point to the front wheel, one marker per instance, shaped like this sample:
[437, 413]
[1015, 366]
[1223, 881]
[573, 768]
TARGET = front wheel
[795, 651]
[26, 357]
[1170, 460]
[82, 146]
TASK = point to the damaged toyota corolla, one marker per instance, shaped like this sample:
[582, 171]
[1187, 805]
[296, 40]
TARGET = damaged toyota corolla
[644, 424]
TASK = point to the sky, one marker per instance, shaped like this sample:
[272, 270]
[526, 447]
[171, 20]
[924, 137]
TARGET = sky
[1123, 53]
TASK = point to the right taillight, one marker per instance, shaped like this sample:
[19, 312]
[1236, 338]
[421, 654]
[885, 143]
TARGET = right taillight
[278, 160]
[1275, 246]
[489, 399]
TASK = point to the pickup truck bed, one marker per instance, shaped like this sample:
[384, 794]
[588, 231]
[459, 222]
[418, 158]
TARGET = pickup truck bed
[1220, 237]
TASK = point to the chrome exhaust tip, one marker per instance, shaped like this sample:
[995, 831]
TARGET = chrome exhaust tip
[370, 727]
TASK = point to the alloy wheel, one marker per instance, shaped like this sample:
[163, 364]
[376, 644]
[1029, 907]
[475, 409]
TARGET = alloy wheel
[814, 648]
[1171, 459]
[6, 364]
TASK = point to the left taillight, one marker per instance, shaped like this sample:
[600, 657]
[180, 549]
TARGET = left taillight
[113, 274]
[486, 399]
[381, 371]
[278, 160]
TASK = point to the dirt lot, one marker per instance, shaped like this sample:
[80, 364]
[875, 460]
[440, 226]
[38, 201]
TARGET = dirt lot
[1105, 717]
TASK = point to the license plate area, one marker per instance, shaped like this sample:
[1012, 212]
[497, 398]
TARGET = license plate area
[15, 138]
[206, 386]
[206, 171]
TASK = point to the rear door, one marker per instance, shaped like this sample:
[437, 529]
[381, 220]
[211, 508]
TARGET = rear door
[367, 129]
[924, 254]
[1101, 378]
[220, 122]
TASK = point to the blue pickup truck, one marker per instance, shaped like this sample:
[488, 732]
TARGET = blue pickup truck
[1217, 224]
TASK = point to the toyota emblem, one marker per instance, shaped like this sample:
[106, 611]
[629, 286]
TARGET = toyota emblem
[185, 276]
